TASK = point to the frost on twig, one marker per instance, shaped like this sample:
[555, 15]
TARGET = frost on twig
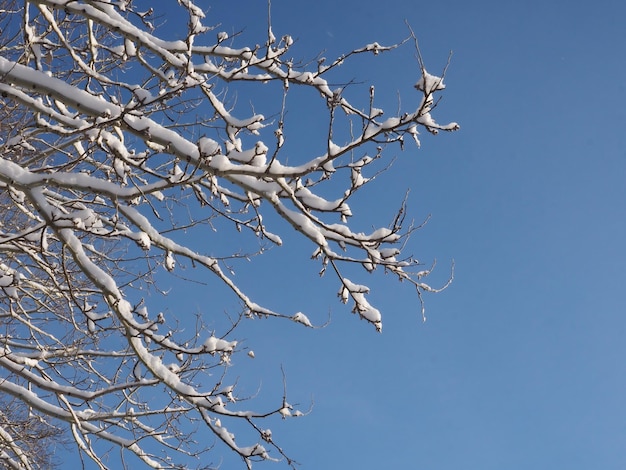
[121, 152]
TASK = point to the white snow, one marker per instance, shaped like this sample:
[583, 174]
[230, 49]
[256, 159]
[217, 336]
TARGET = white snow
[143, 95]
[213, 344]
[170, 262]
[302, 318]
[429, 83]
[208, 147]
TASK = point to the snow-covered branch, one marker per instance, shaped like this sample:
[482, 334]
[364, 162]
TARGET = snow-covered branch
[116, 141]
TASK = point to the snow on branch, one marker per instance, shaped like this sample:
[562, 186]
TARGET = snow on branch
[121, 152]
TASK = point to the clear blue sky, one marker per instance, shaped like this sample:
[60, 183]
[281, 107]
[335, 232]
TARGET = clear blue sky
[522, 361]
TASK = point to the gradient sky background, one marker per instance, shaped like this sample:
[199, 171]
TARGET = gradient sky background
[521, 363]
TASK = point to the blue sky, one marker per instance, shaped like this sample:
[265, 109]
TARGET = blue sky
[520, 364]
[521, 361]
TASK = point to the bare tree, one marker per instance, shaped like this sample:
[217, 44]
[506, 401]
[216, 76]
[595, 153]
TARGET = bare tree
[116, 145]
[23, 433]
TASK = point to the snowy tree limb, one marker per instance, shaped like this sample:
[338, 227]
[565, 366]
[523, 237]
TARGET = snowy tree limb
[114, 142]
